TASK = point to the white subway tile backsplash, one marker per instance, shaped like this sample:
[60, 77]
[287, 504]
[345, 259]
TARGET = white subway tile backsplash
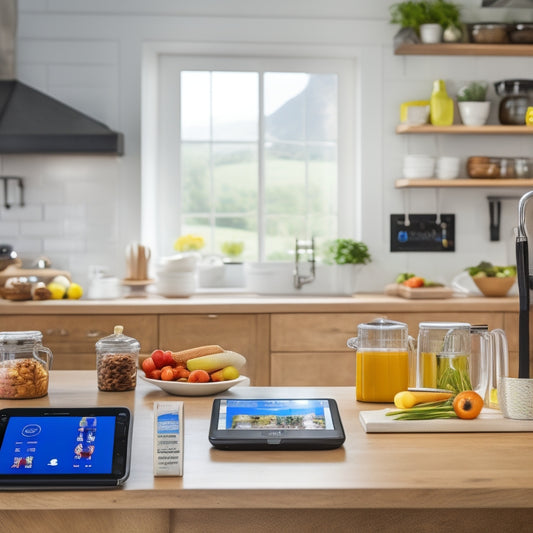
[42, 229]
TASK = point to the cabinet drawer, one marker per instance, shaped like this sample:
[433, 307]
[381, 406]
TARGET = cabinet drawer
[333, 369]
[246, 334]
[324, 332]
[72, 339]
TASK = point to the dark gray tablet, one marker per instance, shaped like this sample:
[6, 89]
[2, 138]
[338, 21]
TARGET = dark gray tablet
[276, 424]
[62, 447]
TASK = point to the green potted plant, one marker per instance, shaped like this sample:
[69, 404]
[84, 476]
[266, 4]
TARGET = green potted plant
[428, 18]
[474, 107]
[346, 255]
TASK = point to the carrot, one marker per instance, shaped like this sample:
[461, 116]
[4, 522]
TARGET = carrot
[407, 399]
[467, 404]
[415, 282]
[183, 356]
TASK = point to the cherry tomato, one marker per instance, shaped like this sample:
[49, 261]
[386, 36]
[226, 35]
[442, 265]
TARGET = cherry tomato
[167, 374]
[148, 365]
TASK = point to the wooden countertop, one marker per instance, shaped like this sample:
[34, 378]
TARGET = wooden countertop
[371, 471]
[250, 303]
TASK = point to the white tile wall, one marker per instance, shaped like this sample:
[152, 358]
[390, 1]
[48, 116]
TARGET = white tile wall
[82, 210]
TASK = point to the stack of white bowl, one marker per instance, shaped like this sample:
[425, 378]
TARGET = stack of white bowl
[418, 166]
[176, 275]
[448, 167]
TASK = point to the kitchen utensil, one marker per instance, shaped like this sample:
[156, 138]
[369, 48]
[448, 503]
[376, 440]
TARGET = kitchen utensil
[516, 99]
[524, 285]
[385, 359]
[24, 365]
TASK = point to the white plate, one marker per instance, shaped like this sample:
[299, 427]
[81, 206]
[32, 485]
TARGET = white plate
[183, 388]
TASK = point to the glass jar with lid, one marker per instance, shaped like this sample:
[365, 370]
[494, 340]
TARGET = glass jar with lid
[24, 365]
[117, 356]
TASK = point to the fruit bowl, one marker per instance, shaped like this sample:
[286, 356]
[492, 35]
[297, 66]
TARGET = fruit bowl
[492, 286]
[183, 388]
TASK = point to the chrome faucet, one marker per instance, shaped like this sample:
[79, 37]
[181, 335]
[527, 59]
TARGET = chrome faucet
[304, 248]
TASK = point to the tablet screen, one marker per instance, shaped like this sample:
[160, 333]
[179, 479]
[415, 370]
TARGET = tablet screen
[284, 423]
[58, 445]
[275, 414]
[52, 446]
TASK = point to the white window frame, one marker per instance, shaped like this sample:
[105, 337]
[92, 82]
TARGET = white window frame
[159, 160]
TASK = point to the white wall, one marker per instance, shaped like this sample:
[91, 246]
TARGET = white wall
[83, 210]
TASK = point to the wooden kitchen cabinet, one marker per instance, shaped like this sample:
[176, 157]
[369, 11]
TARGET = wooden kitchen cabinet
[309, 349]
[247, 334]
[72, 338]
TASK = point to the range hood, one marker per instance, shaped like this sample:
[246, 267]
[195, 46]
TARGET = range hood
[33, 122]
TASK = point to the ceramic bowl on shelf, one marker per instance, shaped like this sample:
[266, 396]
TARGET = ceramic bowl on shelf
[418, 166]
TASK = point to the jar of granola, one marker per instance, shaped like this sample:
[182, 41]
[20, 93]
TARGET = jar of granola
[24, 365]
[116, 361]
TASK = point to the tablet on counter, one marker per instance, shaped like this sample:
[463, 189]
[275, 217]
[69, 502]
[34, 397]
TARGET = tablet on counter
[276, 424]
[64, 448]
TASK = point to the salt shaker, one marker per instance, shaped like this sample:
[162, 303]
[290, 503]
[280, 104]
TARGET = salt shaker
[116, 361]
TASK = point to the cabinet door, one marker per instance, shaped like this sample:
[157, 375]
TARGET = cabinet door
[72, 338]
[246, 334]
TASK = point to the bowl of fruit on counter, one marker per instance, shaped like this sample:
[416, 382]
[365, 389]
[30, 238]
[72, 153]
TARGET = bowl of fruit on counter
[199, 371]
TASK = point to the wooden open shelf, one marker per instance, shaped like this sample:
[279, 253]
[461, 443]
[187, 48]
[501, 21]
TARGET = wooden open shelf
[461, 49]
[460, 129]
[433, 183]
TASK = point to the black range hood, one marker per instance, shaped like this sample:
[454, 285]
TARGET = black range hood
[33, 122]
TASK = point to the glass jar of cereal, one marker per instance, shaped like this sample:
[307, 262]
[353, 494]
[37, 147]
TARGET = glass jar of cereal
[24, 365]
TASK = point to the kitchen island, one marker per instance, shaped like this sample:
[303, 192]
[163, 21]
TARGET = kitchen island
[286, 339]
[375, 482]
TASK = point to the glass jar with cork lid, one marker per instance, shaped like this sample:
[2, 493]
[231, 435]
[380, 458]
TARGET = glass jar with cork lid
[117, 356]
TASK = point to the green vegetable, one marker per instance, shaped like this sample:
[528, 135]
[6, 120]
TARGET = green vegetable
[486, 269]
[426, 411]
[404, 276]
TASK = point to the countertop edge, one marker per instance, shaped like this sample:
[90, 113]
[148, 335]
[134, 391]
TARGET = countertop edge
[370, 303]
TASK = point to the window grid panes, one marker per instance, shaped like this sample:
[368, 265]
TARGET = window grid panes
[258, 159]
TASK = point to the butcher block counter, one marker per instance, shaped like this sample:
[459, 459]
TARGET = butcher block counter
[374, 482]
[288, 340]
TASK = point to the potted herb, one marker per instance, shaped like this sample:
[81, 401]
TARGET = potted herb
[427, 18]
[347, 255]
[473, 105]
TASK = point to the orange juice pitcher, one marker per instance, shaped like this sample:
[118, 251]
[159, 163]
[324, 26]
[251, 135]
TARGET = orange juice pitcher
[385, 360]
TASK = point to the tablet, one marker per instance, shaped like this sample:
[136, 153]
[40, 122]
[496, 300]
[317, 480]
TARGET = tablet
[276, 424]
[59, 447]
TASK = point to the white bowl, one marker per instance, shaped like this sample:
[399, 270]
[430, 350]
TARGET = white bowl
[178, 263]
[176, 284]
[183, 388]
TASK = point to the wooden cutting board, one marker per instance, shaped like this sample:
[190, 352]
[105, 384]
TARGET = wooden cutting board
[43, 274]
[397, 289]
[489, 421]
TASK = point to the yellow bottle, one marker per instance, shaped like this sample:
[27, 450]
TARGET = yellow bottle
[440, 105]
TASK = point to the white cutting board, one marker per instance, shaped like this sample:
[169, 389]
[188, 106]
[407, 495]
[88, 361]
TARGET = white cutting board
[489, 421]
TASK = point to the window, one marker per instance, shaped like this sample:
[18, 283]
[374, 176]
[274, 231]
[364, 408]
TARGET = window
[250, 151]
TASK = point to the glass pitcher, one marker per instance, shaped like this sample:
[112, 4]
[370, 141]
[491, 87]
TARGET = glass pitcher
[459, 356]
[385, 355]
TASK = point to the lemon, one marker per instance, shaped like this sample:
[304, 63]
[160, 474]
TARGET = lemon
[74, 292]
[57, 291]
